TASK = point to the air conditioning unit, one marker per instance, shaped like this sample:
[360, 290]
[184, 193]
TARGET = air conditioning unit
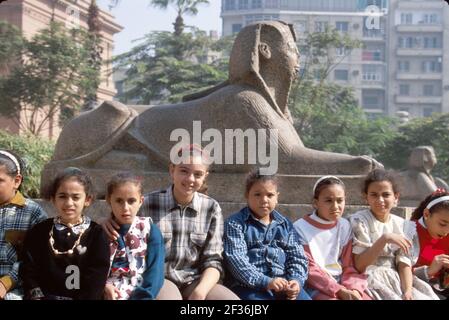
[355, 26]
[355, 73]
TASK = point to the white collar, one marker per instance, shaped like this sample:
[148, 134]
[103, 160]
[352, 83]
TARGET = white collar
[315, 217]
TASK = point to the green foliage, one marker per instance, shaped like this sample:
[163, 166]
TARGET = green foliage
[51, 79]
[165, 67]
[35, 151]
[431, 131]
[11, 45]
[326, 115]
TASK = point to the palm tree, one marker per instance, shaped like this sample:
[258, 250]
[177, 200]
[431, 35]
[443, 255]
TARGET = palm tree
[183, 7]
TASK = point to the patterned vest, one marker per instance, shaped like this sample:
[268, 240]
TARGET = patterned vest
[134, 251]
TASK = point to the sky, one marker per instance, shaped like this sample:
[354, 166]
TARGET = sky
[139, 18]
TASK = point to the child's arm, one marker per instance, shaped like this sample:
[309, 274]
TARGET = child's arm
[296, 262]
[236, 255]
[29, 269]
[153, 277]
[94, 270]
[369, 256]
[320, 279]
[209, 278]
[406, 276]
[351, 278]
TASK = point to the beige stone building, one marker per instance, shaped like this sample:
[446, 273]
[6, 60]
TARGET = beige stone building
[32, 15]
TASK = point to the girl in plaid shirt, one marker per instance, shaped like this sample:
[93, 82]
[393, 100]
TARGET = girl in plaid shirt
[17, 215]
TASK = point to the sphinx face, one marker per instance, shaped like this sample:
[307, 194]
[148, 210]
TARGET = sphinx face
[288, 56]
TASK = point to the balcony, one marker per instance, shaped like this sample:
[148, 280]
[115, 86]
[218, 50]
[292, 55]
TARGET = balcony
[373, 36]
[418, 76]
[418, 99]
[419, 28]
[422, 5]
[419, 52]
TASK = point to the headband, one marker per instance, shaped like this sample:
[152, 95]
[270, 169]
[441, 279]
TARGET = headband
[12, 158]
[324, 178]
[436, 201]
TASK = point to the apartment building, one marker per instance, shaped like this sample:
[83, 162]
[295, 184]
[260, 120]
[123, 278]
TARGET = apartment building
[399, 67]
[419, 57]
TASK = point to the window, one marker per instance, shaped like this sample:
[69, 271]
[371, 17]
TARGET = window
[260, 17]
[341, 75]
[371, 102]
[372, 55]
[406, 18]
[428, 90]
[429, 18]
[256, 4]
[342, 51]
[300, 26]
[243, 4]
[431, 66]
[236, 27]
[432, 42]
[342, 26]
[272, 4]
[230, 5]
[404, 89]
[371, 73]
[403, 66]
[427, 112]
[320, 26]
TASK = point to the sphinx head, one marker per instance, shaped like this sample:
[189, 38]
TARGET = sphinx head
[265, 55]
[423, 158]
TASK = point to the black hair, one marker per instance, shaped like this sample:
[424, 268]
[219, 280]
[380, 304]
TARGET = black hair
[10, 165]
[122, 178]
[325, 183]
[379, 175]
[419, 211]
[71, 173]
[254, 176]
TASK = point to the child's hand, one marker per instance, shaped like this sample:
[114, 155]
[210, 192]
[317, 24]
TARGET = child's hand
[407, 295]
[2, 291]
[346, 294]
[292, 290]
[197, 294]
[110, 227]
[399, 240]
[437, 264]
[277, 284]
[110, 292]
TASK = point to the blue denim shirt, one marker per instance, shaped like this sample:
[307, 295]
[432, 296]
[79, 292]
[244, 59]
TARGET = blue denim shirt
[256, 253]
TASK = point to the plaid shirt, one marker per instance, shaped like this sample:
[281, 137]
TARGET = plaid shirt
[193, 234]
[16, 218]
[256, 253]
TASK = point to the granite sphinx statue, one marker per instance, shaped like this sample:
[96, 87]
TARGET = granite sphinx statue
[263, 64]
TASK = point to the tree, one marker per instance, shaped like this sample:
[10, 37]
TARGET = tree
[35, 151]
[157, 74]
[95, 50]
[431, 131]
[182, 7]
[48, 80]
[11, 46]
[326, 115]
